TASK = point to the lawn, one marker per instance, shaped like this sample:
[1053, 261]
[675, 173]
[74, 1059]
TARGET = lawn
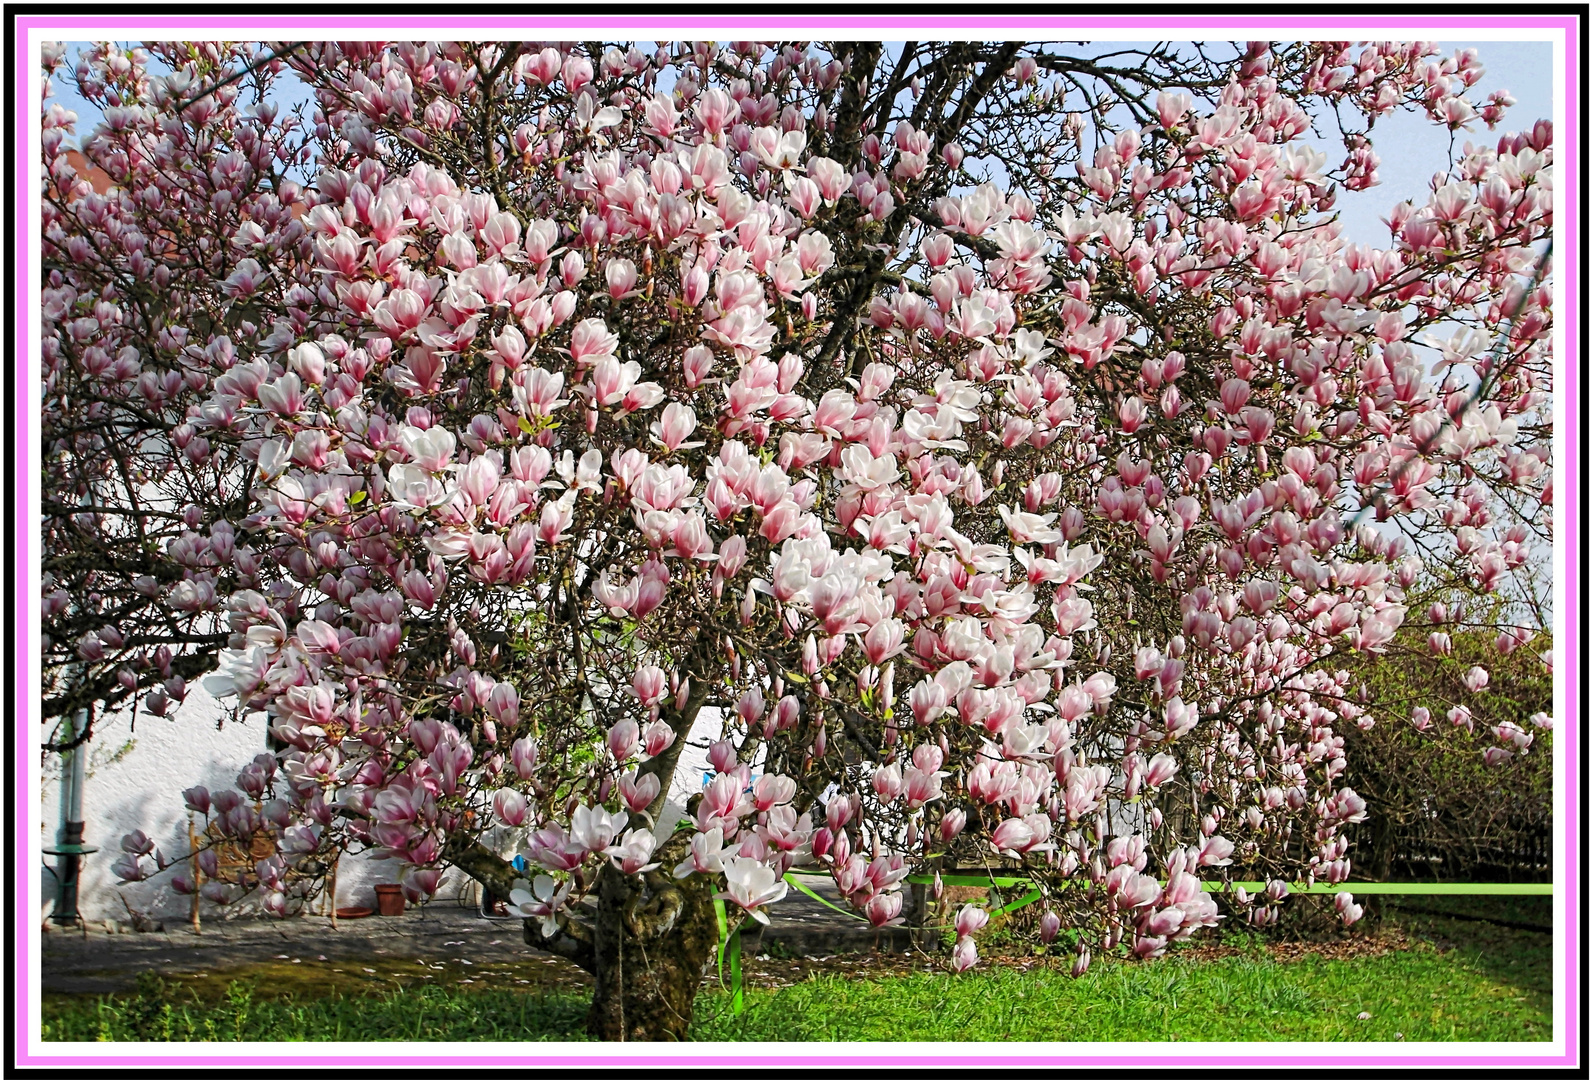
[1424, 977]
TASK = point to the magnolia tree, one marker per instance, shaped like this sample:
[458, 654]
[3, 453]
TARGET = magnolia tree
[1005, 441]
[141, 499]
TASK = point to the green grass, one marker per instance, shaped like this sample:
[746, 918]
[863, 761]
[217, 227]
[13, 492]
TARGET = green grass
[1424, 996]
[1457, 981]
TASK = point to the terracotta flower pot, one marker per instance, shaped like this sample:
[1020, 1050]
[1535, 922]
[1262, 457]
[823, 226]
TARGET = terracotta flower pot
[389, 899]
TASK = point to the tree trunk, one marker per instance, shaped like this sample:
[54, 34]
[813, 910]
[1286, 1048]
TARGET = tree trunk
[648, 946]
[652, 944]
[652, 936]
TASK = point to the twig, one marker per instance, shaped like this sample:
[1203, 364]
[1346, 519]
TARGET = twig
[243, 71]
[1498, 356]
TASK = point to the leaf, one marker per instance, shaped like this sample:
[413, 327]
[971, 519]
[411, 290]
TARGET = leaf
[524, 426]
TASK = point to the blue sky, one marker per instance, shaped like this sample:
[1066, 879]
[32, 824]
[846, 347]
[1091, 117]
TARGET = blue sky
[1412, 149]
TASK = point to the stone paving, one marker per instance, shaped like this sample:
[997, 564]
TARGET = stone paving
[99, 961]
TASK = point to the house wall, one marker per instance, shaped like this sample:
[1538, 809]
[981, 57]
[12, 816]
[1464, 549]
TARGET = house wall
[138, 768]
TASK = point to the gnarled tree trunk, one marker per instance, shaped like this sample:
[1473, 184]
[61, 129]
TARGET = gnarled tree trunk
[653, 941]
[648, 946]
[652, 936]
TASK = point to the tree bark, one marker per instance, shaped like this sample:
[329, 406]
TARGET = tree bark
[652, 944]
[648, 946]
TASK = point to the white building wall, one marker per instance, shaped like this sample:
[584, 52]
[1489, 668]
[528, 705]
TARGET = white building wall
[137, 771]
[135, 777]
[688, 779]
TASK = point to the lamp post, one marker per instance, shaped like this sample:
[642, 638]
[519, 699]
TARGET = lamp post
[69, 847]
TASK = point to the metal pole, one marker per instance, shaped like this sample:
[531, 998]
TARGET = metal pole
[69, 838]
[70, 834]
[74, 803]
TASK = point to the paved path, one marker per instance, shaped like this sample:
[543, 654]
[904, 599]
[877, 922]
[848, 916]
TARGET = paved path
[98, 961]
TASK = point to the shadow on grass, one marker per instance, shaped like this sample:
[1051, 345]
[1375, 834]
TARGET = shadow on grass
[1509, 955]
[160, 1010]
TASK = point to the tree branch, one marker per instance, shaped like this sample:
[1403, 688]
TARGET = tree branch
[498, 876]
